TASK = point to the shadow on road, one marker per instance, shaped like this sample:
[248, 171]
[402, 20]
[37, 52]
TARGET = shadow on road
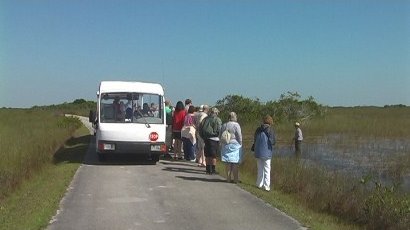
[184, 170]
[115, 159]
[73, 151]
[204, 179]
[177, 163]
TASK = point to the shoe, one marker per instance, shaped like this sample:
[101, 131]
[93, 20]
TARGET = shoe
[208, 170]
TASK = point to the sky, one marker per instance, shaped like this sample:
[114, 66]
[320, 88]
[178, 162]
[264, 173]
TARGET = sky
[342, 53]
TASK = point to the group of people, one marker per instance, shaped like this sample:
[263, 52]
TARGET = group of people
[184, 121]
[202, 135]
[125, 110]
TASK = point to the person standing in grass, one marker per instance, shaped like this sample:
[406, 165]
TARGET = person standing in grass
[264, 140]
[231, 147]
[298, 138]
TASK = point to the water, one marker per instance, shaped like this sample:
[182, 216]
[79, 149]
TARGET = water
[357, 156]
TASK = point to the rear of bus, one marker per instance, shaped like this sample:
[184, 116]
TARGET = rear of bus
[131, 119]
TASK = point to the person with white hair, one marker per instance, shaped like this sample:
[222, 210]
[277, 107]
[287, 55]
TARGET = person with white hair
[298, 138]
[231, 147]
[200, 144]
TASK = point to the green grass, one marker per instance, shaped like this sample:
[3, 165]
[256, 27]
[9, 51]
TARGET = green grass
[36, 200]
[365, 122]
[327, 200]
[288, 202]
[35, 171]
[28, 139]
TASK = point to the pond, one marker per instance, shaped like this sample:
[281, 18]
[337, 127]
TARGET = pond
[384, 159]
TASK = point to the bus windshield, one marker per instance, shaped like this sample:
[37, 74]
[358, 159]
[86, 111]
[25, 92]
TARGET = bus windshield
[131, 108]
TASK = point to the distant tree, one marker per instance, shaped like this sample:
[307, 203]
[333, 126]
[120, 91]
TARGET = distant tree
[79, 101]
[292, 108]
[289, 107]
[246, 108]
[395, 106]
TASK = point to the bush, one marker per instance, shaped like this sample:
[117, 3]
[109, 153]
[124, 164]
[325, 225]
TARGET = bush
[290, 107]
[386, 208]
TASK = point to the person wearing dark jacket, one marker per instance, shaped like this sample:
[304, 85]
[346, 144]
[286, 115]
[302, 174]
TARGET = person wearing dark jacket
[209, 131]
[264, 140]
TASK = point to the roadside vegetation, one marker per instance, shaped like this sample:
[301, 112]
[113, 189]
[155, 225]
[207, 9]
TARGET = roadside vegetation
[41, 150]
[79, 107]
[29, 138]
[352, 201]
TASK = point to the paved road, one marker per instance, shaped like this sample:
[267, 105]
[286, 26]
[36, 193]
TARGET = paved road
[126, 194]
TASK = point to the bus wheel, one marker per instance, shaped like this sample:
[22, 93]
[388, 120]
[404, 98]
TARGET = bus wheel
[101, 157]
[154, 159]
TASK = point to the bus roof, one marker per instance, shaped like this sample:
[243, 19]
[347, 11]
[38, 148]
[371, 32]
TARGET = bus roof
[130, 87]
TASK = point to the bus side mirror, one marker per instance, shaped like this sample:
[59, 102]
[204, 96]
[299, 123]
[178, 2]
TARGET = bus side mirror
[91, 116]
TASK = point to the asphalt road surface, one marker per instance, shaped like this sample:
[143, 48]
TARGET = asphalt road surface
[123, 193]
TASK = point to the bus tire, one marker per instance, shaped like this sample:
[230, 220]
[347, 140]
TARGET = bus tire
[101, 157]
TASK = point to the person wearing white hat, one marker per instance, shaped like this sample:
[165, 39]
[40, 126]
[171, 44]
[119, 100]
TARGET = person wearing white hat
[298, 138]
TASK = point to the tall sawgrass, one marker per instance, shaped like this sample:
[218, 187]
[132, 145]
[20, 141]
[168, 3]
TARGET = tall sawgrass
[28, 140]
[363, 201]
[362, 122]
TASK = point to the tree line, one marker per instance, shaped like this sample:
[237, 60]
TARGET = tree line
[289, 107]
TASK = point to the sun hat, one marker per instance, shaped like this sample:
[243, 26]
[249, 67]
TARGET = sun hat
[201, 108]
[297, 124]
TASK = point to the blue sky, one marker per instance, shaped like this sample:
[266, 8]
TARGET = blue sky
[340, 52]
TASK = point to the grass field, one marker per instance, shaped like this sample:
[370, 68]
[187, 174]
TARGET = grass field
[362, 201]
[29, 139]
[41, 144]
[32, 204]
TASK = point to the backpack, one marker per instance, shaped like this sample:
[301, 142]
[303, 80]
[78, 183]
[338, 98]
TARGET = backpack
[206, 129]
[225, 137]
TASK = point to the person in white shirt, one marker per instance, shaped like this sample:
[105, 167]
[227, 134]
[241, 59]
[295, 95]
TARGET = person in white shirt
[298, 138]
